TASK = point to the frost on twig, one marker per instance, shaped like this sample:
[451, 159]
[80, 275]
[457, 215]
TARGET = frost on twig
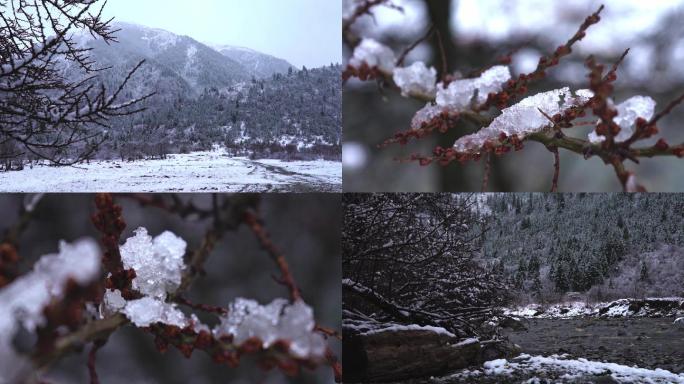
[522, 119]
[627, 113]
[22, 302]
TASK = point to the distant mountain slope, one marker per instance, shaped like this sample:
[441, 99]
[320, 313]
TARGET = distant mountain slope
[258, 64]
[205, 98]
[197, 64]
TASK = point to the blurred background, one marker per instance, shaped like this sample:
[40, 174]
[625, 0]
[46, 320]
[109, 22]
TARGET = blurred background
[479, 31]
[306, 227]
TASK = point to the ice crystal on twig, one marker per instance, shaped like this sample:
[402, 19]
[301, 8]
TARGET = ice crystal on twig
[278, 320]
[157, 262]
[146, 311]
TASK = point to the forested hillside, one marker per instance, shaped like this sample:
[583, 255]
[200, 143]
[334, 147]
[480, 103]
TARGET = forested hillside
[607, 245]
[292, 114]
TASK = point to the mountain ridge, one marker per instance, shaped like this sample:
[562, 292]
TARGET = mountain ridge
[258, 64]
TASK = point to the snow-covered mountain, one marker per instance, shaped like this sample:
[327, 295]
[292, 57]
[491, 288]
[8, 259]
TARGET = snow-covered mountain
[178, 63]
[169, 56]
[258, 64]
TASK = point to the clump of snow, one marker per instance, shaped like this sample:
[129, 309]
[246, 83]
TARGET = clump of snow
[146, 311]
[459, 94]
[275, 321]
[416, 79]
[497, 367]
[22, 302]
[425, 114]
[374, 54]
[628, 111]
[521, 119]
[158, 262]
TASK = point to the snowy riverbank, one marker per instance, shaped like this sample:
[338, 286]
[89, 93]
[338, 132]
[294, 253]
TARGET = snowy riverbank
[649, 307]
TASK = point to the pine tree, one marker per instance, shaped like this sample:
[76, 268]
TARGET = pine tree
[643, 276]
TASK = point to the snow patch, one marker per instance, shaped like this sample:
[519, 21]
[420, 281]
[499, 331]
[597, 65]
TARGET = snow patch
[560, 369]
[198, 171]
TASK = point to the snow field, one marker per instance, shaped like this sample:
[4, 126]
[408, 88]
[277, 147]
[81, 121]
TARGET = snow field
[194, 172]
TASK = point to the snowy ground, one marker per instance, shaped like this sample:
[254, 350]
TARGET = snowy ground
[646, 342]
[559, 369]
[198, 171]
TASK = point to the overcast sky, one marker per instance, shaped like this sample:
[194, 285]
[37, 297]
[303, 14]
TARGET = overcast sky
[304, 32]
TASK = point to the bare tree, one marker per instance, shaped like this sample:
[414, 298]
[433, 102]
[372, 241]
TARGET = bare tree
[411, 257]
[43, 112]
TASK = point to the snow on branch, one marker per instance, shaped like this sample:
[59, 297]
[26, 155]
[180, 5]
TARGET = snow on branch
[141, 285]
[528, 116]
[542, 117]
[23, 302]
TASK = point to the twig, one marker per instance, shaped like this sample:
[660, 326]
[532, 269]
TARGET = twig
[97, 344]
[400, 60]
[556, 169]
[667, 110]
[487, 170]
[264, 239]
